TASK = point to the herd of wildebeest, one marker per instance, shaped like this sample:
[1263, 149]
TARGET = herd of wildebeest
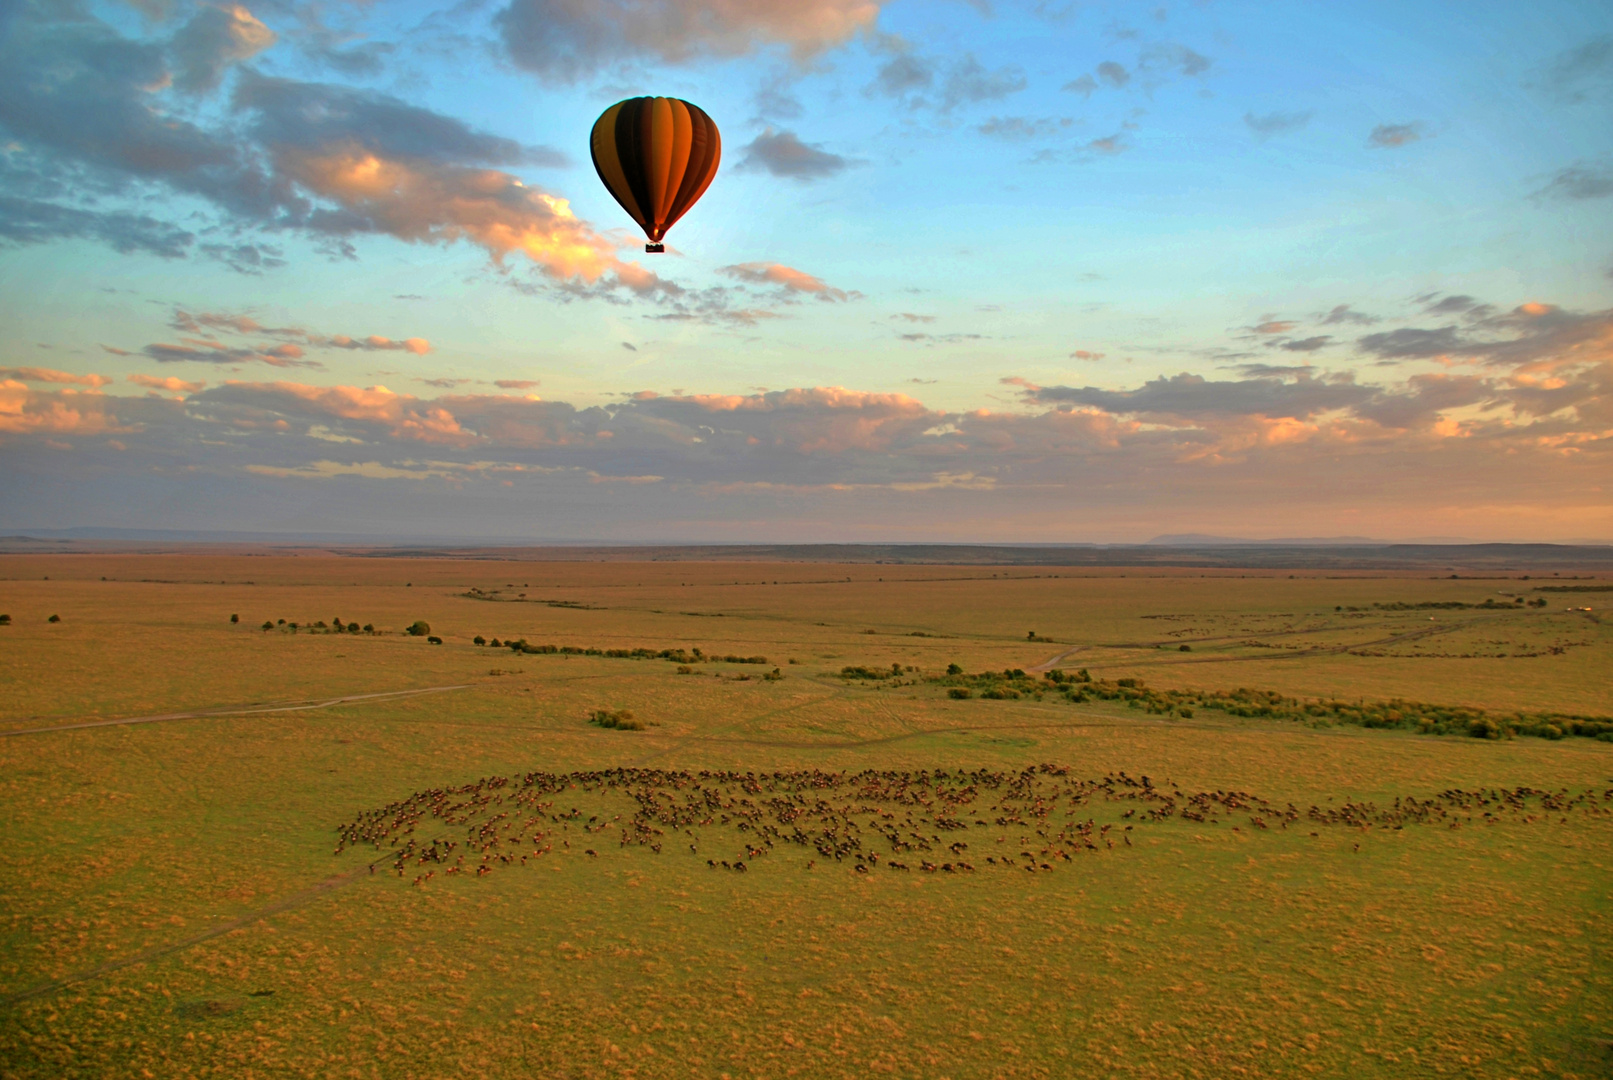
[938, 821]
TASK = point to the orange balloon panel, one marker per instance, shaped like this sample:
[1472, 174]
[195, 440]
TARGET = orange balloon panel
[657, 156]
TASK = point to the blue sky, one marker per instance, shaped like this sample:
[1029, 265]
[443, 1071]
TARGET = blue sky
[1032, 271]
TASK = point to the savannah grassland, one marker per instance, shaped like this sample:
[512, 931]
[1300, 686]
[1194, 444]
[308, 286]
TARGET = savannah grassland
[1472, 943]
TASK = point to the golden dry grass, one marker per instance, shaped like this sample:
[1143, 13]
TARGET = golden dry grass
[1201, 952]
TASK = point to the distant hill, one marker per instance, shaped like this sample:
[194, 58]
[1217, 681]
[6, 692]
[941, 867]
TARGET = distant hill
[1198, 540]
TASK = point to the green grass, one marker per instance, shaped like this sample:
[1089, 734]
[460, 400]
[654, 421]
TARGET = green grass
[1198, 951]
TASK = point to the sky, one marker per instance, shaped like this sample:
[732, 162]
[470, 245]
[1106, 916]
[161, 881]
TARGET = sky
[971, 270]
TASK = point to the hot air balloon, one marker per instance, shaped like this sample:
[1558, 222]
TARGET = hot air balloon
[657, 156]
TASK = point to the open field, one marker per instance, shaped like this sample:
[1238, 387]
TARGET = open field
[1261, 906]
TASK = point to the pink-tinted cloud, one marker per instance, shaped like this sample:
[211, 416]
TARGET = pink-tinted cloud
[569, 40]
[32, 412]
[170, 383]
[785, 277]
[47, 375]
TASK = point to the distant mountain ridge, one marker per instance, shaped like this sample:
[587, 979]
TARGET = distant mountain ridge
[1197, 540]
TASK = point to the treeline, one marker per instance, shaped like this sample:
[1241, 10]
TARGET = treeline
[676, 656]
[1397, 713]
[336, 627]
[1574, 588]
[1490, 604]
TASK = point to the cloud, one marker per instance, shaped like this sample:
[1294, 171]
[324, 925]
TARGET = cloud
[1390, 136]
[1113, 74]
[1578, 182]
[47, 375]
[239, 323]
[1583, 72]
[213, 352]
[1276, 123]
[169, 383]
[1083, 85]
[515, 384]
[1310, 344]
[785, 277]
[910, 317]
[307, 117]
[376, 343]
[1177, 59]
[1274, 326]
[905, 72]
[1019, 128]
[1344, 314]
[1085, 354]
[782, 154]
[1188, 395]
[571, 40]
[970, 82]
[214, 39]
[1535, 339]
[1526, 435]
[84, 105]
[31, 221]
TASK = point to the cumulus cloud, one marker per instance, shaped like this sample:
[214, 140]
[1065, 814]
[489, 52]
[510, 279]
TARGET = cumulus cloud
[214, 39]
[1529, 430]
[786, 278]
[1391, 136]
[1276, 123]
[332, 162]
[781, 153]
[570, 40]
[171, 383]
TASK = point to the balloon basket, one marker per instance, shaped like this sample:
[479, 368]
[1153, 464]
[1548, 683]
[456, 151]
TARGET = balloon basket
[654, 249]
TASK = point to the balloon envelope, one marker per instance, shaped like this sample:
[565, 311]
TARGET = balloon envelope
[657, 156]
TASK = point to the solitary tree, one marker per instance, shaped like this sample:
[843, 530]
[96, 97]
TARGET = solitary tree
[421, 628]
[54, 618]
[235, 618]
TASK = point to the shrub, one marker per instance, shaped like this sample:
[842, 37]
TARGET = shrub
[5, 620]
[369, 628]
[685, 669]
[478, 640]
[282, 622]
[235, 618]
[860, 672]
[958, 692]
[54, 618]
[773, 676]
[434, 640]
[615, 721]
[1186, 714]
[420, 628]
[1184, 648]
[267, 625]
[495, 644]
